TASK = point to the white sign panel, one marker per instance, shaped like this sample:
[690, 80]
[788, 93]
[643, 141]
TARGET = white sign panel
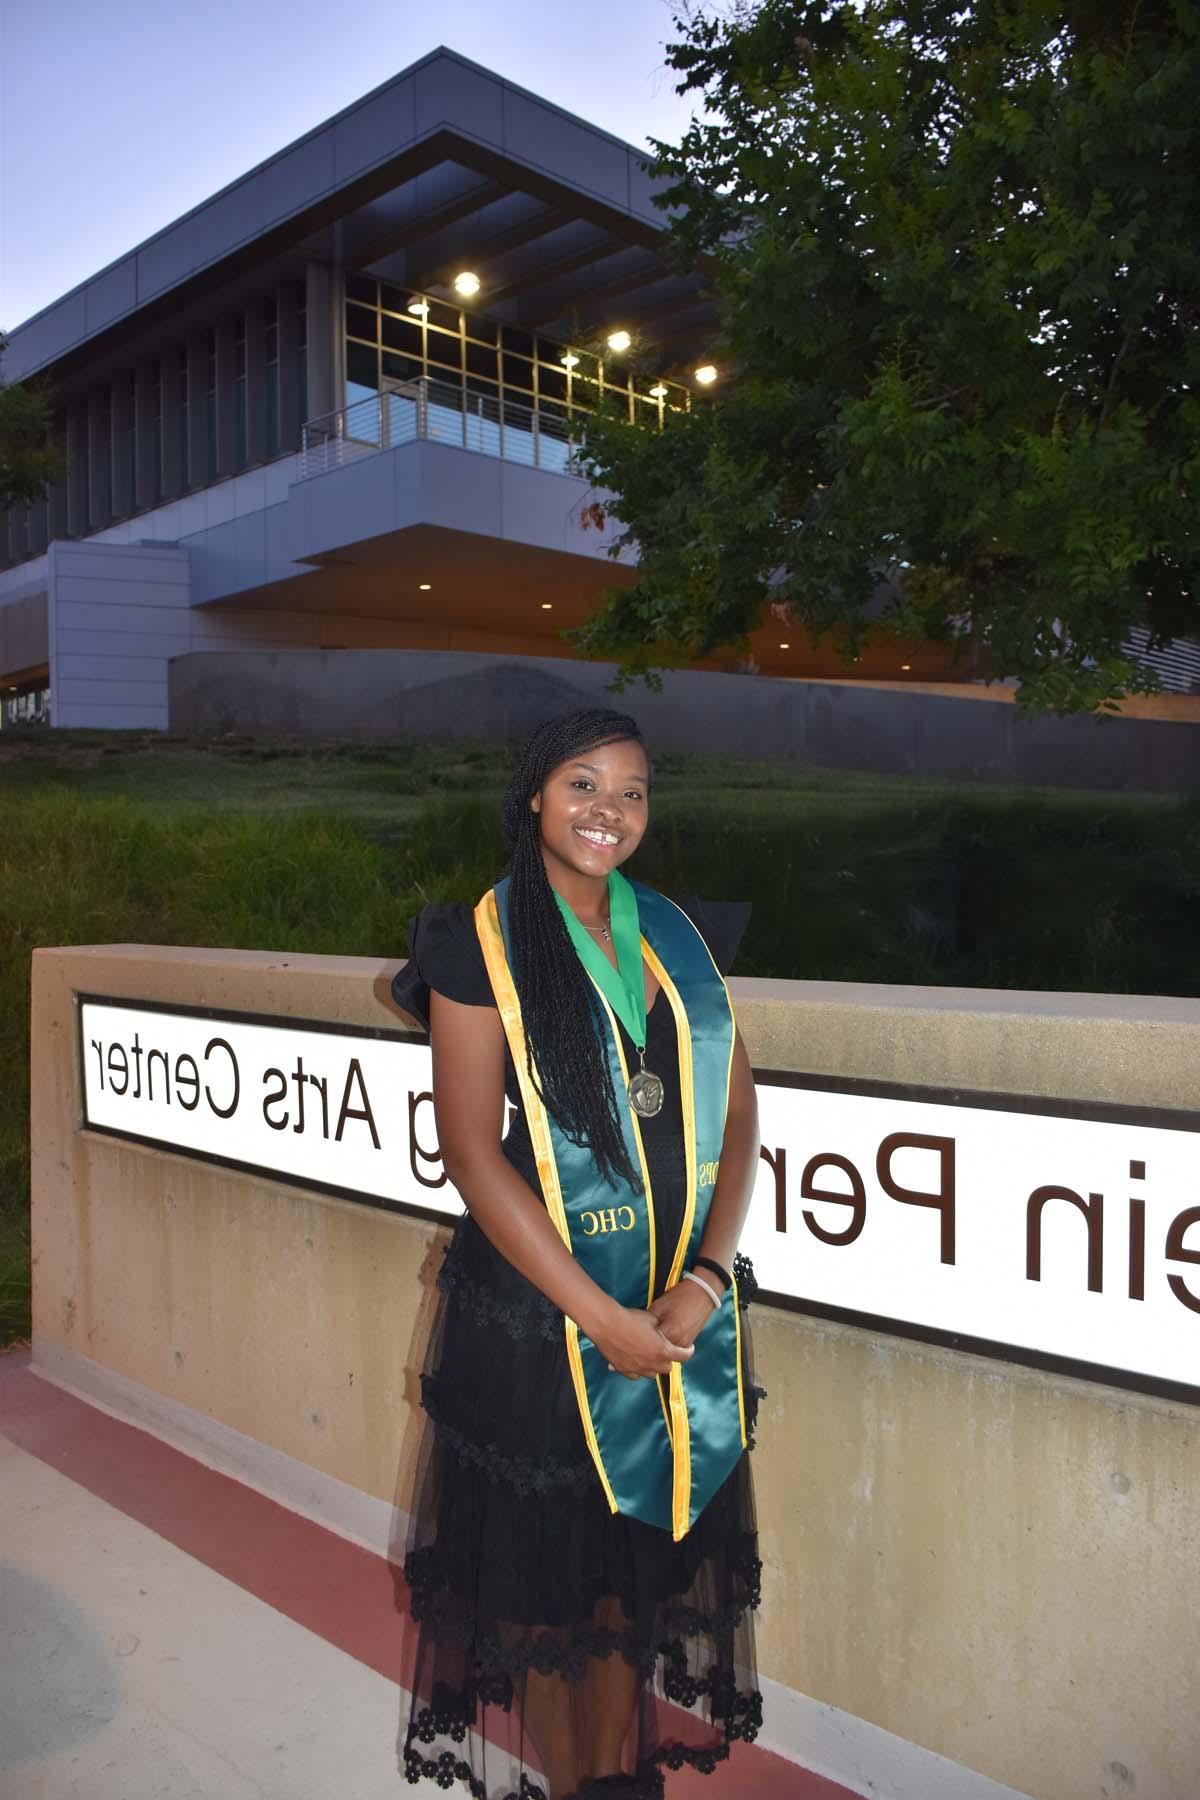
[345, 1110]
[1052, 1231]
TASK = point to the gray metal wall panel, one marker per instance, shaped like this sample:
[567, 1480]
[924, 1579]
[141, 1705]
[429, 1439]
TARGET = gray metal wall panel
[542, 136]
[376, 129]
[165, 260]
[451, 93]
[231, 219]
[294, 180]
[109, 295]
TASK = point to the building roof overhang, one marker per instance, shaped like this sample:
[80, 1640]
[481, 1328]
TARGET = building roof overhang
[443, 167]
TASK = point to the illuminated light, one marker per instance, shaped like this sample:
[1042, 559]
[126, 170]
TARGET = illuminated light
[425, 586]
[466, 284]
[619, 340]
[547, 605]
[785, 646]
[658, 391]
[706, 374]
[906, 665]
[419, 308]
[569, 360]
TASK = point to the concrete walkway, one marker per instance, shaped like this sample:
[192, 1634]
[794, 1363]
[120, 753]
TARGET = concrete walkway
[167, 1633]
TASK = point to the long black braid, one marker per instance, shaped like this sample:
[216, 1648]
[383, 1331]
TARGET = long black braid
[562, 1014]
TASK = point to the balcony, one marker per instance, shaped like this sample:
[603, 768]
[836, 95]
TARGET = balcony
[444, 413]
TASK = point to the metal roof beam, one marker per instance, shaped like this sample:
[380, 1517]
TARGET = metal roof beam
[483, 194]
[566, 265]
[440, 269]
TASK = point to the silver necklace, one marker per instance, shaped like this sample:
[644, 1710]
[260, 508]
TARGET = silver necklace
[605, 933]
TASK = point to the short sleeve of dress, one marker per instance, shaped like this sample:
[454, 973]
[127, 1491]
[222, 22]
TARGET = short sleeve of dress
[443, 953]
[721, 923]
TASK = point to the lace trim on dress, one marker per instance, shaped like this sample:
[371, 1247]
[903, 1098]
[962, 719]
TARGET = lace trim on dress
[741, 1709]
[520, 1315]
[523, 1474]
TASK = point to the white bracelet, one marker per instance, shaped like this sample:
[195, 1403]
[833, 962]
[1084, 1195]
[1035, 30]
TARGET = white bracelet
[689, 1275]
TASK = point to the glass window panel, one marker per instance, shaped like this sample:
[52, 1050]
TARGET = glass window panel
[445, 316]
[518, 371]
[362, 322]
[239, 422]
[402, 334]
[272, 406]
[481, 360]
[361, 287]
[552, 382]
[482, 328]
[584, 393]
[519, 342]
[400, 368]
[394, 299]
[443, 348]
[361, 367]
[362, 413]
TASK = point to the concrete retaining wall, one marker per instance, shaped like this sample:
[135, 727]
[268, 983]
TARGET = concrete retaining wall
[427, 696]
[994, 1563]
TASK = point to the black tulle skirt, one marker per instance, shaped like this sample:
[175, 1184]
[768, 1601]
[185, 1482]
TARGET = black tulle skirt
[561, 1649]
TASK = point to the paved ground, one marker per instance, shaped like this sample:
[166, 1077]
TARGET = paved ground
[167, 1633]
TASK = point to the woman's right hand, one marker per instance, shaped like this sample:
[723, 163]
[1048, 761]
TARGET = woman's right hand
[632, 1344]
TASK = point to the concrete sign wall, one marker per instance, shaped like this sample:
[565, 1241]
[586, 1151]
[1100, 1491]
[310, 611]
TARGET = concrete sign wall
[1052, 1231]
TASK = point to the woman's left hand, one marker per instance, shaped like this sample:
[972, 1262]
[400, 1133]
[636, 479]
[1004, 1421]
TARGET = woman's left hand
[682, 1312]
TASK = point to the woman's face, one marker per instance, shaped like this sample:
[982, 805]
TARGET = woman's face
[594, 808]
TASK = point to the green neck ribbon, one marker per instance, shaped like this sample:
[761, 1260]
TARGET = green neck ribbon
[625, 986]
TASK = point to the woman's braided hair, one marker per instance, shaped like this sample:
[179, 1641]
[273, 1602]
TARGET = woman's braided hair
[562, 1015]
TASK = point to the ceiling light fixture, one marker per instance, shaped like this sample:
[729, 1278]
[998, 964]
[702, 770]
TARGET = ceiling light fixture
[425, 586]
[466, 284]
[785, 646]
[618, 341]
[706, 374]
[906, 665]
[658, 391]
[569, 360]
[547, 605]
[419, 308]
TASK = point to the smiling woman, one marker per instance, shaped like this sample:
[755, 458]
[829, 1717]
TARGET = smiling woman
[583, 1564]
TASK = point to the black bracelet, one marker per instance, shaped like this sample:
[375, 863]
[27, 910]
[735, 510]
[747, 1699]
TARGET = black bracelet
[706, 1262]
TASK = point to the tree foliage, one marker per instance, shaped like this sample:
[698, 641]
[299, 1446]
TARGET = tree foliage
[955, 250]
[29, 460]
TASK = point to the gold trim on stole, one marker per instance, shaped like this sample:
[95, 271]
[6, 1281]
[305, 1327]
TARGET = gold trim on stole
[650, 1223]
[492, 940]
[681, 1435]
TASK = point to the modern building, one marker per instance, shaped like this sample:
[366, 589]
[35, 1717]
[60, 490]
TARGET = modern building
[338, 405]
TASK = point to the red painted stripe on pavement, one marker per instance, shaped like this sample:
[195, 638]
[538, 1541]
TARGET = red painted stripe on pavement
[346, 1594]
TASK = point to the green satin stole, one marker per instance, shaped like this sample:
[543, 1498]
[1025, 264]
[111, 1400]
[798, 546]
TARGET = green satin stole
[659, 1459]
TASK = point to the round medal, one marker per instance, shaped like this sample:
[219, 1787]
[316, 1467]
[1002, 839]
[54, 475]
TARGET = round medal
[646, 1094]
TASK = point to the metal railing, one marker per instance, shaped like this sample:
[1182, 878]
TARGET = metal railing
[442, 413]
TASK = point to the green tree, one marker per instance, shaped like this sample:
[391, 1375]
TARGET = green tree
[29, 459]
[955, 251]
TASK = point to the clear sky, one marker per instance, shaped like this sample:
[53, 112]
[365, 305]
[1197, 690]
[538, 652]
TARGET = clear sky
[118, 115]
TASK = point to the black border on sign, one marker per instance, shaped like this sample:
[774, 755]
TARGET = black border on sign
[1098, 1111]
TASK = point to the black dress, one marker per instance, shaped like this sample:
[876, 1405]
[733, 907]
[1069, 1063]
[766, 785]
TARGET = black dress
[539, 1613]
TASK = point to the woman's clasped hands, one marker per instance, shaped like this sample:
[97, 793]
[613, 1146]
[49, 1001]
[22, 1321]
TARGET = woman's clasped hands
[636, 1344]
